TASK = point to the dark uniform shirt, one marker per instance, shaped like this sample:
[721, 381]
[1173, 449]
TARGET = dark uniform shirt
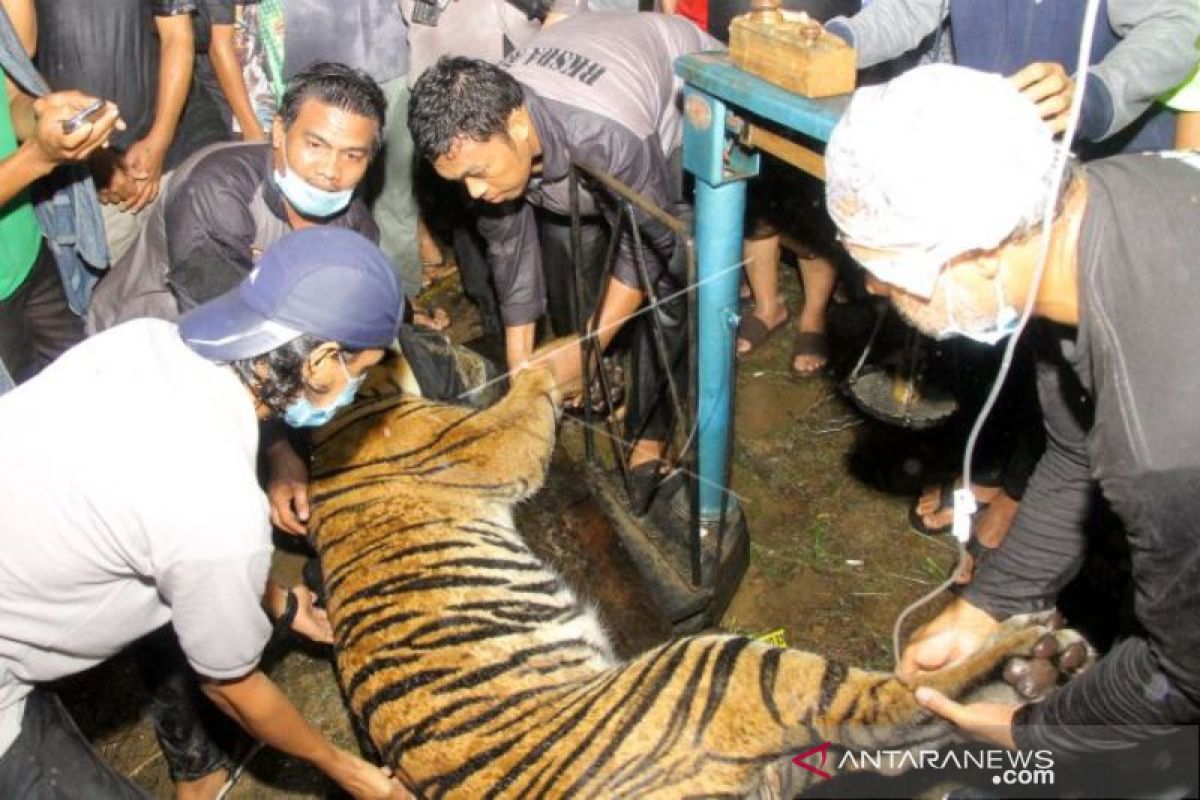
[601, 90]
[1121, 399]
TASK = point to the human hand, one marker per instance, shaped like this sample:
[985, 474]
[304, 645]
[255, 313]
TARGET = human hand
[1050, 88]
[144, 163]
[311, 621]
[951, 636]
[366, 781]
[53, 145]
[287, 489]
[564, 358]
[989, 722]
[113, 184]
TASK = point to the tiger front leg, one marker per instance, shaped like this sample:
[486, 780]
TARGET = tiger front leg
[522, 429]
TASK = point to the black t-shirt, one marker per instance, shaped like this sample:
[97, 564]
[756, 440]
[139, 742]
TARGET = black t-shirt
[110, 49]
[107, 48]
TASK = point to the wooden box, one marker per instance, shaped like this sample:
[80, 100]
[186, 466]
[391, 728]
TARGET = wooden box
[792, 51]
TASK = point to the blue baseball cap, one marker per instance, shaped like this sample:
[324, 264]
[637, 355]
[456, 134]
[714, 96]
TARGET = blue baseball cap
[325, 282]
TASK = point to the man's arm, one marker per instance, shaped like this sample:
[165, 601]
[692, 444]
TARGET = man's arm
[1044, 549]
[888, 29]
[514, 255]
[1041, 552]
[209, 231]
[144, 160]
[257, 704]
[37, 123]
[1152, 679]
[1156, 52]
[233, 85]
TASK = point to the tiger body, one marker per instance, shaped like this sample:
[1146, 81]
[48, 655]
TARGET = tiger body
[476, 672]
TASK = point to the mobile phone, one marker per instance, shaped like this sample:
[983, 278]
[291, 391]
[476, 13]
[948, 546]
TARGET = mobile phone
[72, 124]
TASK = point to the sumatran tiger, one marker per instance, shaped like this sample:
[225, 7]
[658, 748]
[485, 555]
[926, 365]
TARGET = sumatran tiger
[476, 672]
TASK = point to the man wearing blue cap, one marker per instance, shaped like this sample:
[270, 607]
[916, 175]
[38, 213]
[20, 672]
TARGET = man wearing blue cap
[146, 511]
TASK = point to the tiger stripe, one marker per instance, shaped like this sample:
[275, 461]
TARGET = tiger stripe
[477, 672]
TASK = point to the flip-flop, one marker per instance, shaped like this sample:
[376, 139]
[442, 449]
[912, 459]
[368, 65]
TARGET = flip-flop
[810, 343]
[945, 502]
[755, 331]
[644, 481]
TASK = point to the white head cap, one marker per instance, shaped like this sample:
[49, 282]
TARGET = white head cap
[938, 162]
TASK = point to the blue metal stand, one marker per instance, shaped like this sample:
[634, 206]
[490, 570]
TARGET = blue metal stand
[716, 94]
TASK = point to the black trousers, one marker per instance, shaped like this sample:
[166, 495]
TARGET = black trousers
[195, 736]
[36, 323]
[51, 760]
[648, 410]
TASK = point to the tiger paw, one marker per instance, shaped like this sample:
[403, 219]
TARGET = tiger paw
[1058, 655]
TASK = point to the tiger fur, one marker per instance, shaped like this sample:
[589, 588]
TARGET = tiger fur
[477, 673]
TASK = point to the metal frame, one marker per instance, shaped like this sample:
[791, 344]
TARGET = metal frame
[685, 410]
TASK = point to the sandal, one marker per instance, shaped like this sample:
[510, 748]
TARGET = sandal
[810, 343]
[754, 331]
[644, 480]
[946, 491]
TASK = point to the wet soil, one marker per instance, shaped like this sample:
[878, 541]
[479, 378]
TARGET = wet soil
[833, 560]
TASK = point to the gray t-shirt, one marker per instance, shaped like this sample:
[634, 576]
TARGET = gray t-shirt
[128, 500]
[367, 34]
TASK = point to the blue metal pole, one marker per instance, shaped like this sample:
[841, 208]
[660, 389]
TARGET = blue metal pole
[719, 216]
[720, 171]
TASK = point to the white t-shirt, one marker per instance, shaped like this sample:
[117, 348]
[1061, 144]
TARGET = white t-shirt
[128, 499]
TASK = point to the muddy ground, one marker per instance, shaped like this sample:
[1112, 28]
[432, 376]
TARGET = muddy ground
[832, 559]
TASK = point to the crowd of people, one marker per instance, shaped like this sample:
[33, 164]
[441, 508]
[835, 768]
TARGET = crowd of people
[216, 215]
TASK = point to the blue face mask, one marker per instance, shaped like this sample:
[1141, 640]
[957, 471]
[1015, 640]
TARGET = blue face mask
[307, 199]
[303, 414]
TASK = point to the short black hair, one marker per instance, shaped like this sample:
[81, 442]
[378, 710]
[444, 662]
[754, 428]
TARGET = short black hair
[460, 97]
[336, 85]
[277, 377]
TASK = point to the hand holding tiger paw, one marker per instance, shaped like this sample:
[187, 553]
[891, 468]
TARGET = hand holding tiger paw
[364, 780]
[989, 722]
[1056, 657]
[948, 638]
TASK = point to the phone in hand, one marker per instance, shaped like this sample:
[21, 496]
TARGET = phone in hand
[85, 115]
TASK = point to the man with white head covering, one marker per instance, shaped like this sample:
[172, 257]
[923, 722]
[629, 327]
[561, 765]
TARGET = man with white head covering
[937, 183]
[146, 511]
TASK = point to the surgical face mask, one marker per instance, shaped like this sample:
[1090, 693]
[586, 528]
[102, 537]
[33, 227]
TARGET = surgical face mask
[1003, 325]
[307, 199]
[303, 414]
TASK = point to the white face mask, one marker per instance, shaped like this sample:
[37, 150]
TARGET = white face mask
[1002, 326]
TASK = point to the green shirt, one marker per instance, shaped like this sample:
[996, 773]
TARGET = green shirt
[20, 236]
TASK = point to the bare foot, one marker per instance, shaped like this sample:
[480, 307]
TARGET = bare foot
[934, 515]
[646, 450]
[205, 788]
[812, 357]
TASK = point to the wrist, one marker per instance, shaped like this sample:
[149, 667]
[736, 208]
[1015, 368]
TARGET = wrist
[158, 139]
[329, 760]
[36, 161]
